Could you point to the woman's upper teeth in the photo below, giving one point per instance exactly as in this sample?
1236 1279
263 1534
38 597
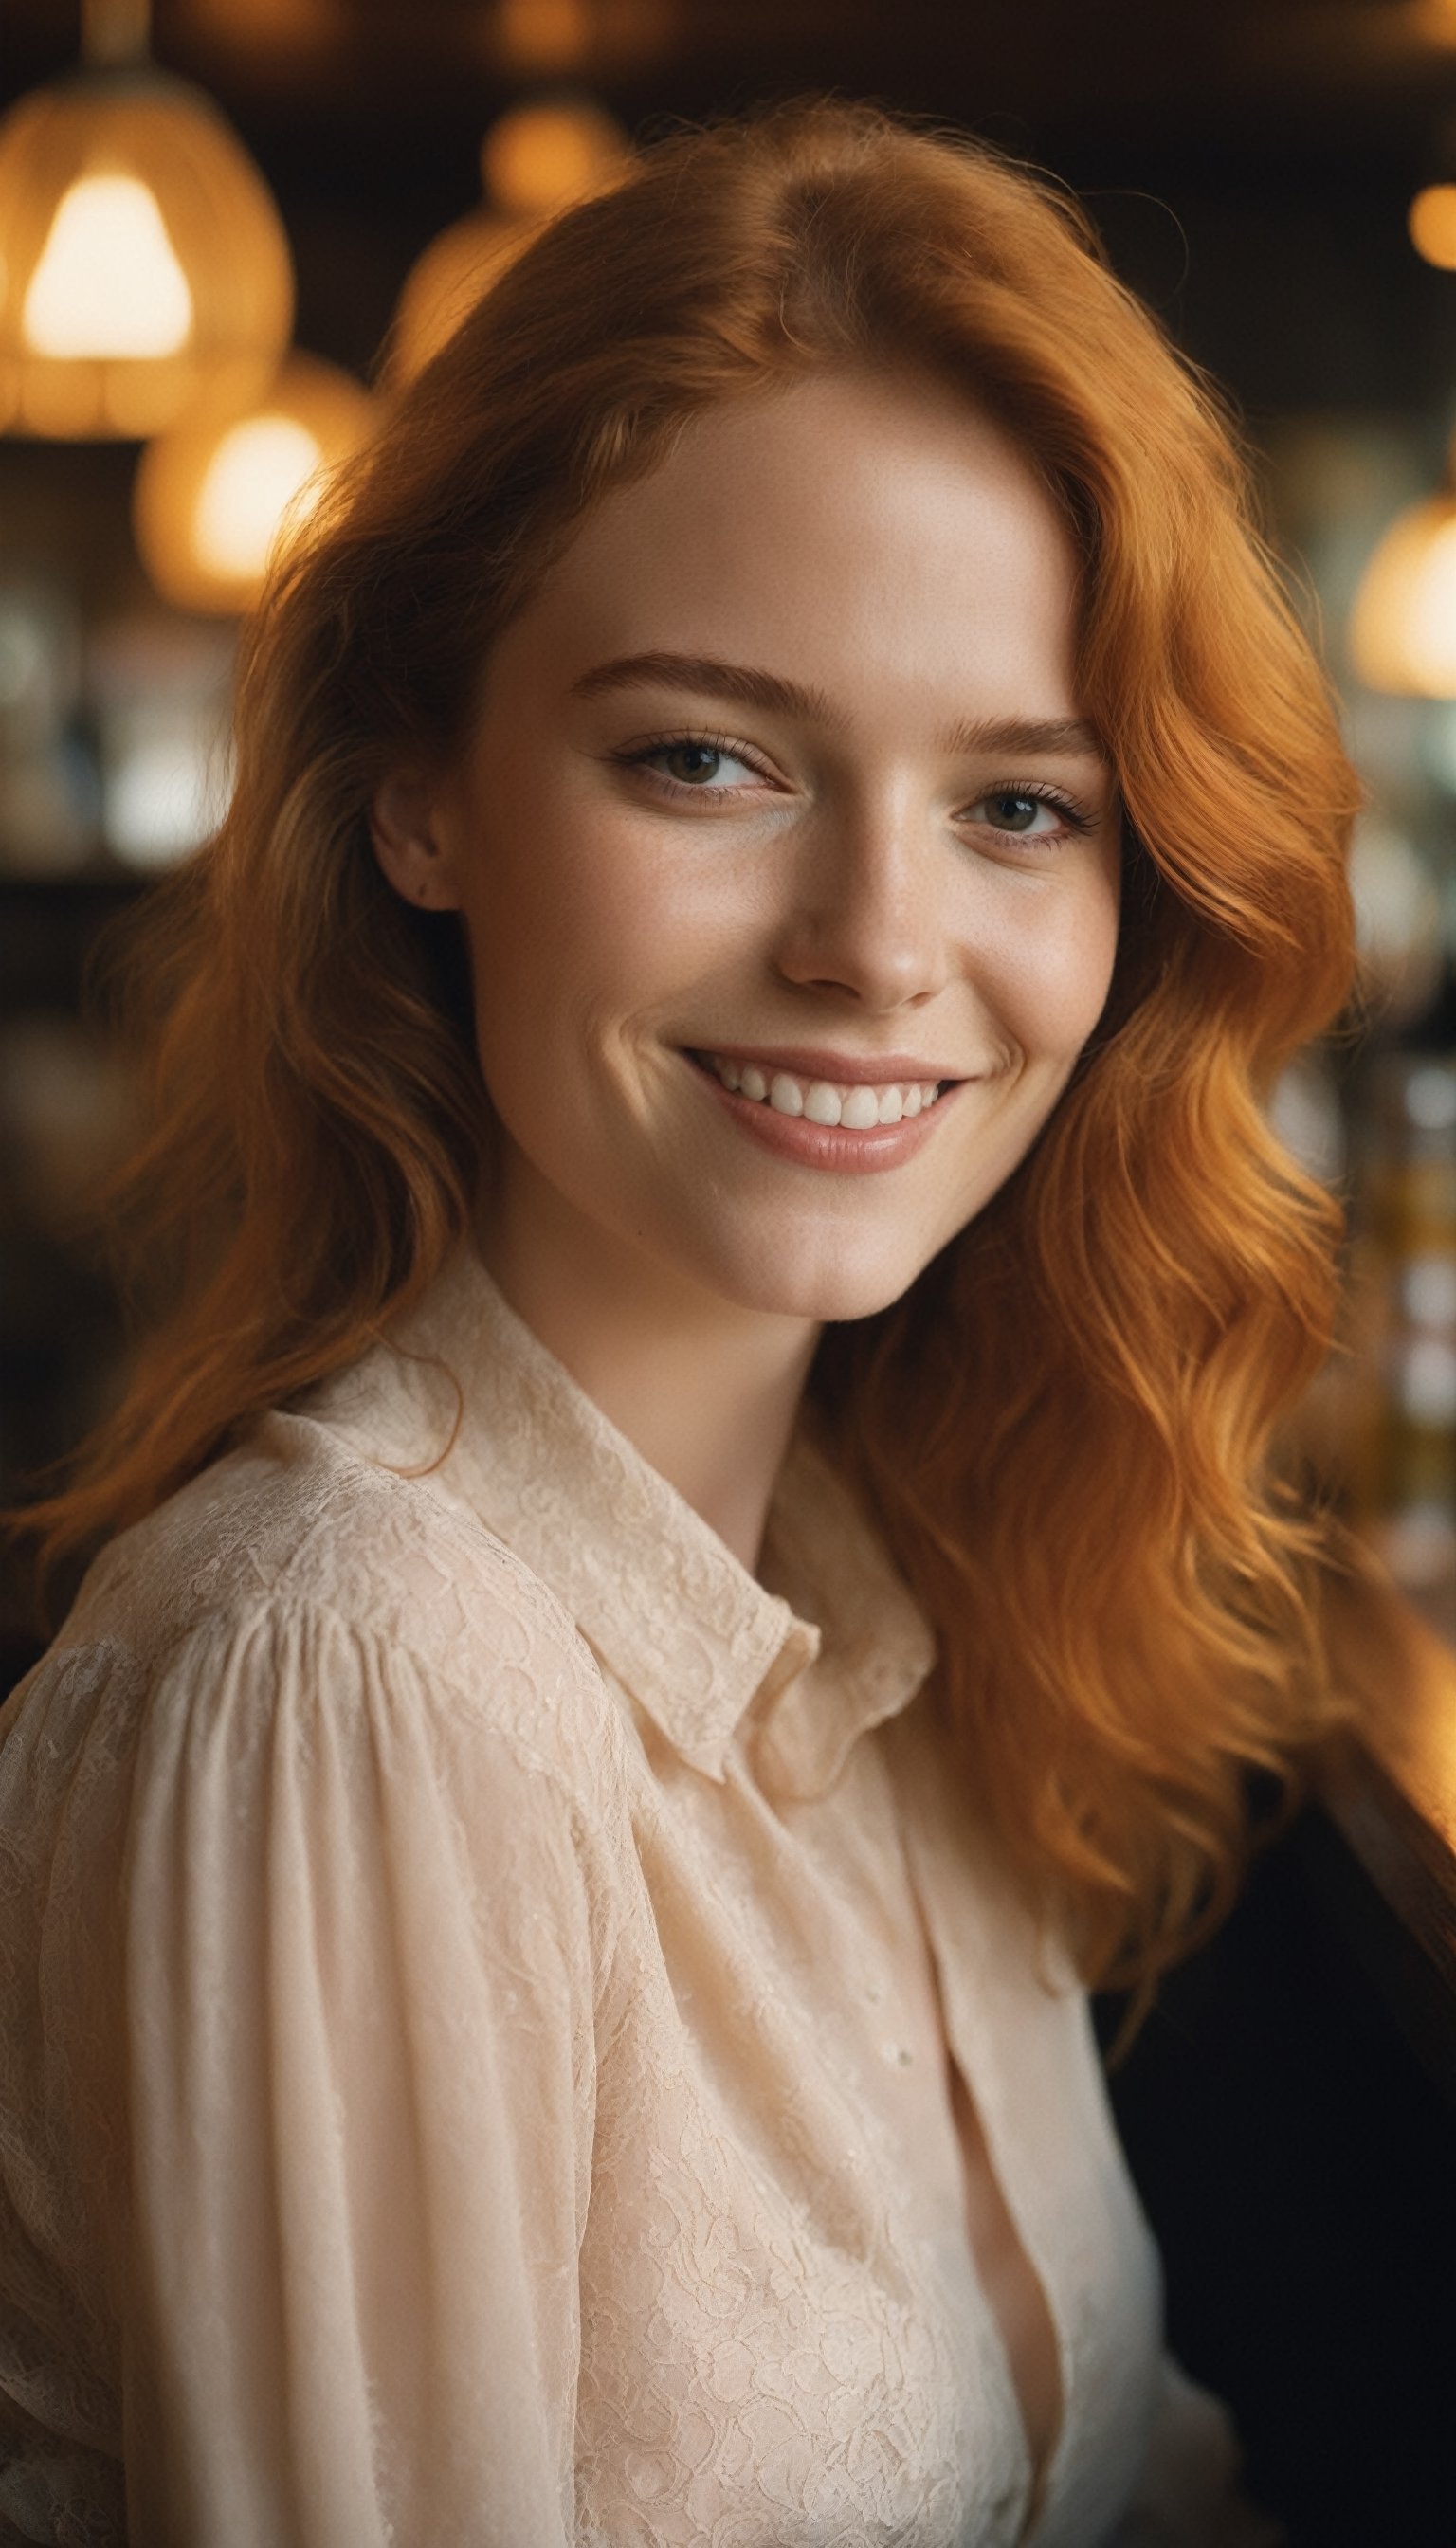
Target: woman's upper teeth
858 1106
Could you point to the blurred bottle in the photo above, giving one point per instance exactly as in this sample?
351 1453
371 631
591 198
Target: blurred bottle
1407 1210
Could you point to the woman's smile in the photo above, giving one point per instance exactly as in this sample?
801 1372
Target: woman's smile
830 1087
845 1125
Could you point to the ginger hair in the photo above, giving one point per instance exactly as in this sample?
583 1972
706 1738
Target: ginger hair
1063 1428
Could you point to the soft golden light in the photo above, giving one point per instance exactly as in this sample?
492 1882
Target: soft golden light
538 158
534 163
536 36
108 285
1403 628
145 265
446 280
1432 20
1432 221
259 469
262 26
216 497
547 38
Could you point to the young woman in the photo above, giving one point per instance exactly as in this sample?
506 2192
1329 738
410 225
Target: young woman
703 1554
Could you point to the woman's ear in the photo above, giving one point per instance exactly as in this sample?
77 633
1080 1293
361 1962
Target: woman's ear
406 829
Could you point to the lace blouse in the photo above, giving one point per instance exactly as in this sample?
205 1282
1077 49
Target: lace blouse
477 1969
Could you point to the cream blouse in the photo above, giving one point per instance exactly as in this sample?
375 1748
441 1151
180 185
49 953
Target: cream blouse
476 1974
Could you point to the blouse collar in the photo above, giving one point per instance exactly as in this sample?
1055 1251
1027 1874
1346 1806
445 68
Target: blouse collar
828 1645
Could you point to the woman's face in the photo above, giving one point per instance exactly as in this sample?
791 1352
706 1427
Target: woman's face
789 868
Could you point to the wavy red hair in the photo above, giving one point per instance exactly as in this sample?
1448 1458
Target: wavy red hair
1065 1426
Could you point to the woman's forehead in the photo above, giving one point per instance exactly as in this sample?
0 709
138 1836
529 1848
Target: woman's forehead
843 531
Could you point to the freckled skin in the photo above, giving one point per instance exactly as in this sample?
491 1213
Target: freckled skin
880 544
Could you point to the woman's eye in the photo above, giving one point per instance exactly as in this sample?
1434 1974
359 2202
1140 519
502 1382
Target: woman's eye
1013 809
695 762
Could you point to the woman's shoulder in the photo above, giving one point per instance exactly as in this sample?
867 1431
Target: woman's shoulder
299 1569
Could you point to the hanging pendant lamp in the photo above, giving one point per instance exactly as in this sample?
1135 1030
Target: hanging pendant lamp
213 497
1402 623
534 160
145 262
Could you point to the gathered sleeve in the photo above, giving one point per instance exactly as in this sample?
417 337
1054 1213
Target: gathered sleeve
363 1934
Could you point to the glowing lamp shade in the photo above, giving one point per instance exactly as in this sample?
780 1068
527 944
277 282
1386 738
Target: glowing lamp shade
1432 221
445 281
534 162
108 285
144 263
1403 628
217 495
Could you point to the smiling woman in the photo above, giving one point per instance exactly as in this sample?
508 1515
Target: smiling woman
898 873
703 1552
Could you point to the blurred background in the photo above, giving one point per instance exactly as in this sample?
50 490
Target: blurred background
226 228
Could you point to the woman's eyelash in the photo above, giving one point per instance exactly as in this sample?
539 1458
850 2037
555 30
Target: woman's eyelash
1036 791
640 756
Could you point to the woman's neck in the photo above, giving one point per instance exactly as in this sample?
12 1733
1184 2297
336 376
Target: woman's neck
705 1391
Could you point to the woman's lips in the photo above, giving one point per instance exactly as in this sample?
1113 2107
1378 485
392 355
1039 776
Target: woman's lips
801 1117
828 1097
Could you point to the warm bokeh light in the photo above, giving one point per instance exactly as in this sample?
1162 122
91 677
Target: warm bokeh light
538 36
536 158
1432 221
1403 628
553 39
444 282
144 266
265 26
259 469
108 283
214 496
1432 22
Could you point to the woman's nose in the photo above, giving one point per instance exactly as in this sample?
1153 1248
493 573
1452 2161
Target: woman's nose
867 916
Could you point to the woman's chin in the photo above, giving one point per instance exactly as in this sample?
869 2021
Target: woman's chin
825 1291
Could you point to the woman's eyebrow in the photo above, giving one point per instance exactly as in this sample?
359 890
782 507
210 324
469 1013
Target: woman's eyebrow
741 682
1061 736
754 687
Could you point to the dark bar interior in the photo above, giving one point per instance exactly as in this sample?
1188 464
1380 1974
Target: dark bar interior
1255 171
